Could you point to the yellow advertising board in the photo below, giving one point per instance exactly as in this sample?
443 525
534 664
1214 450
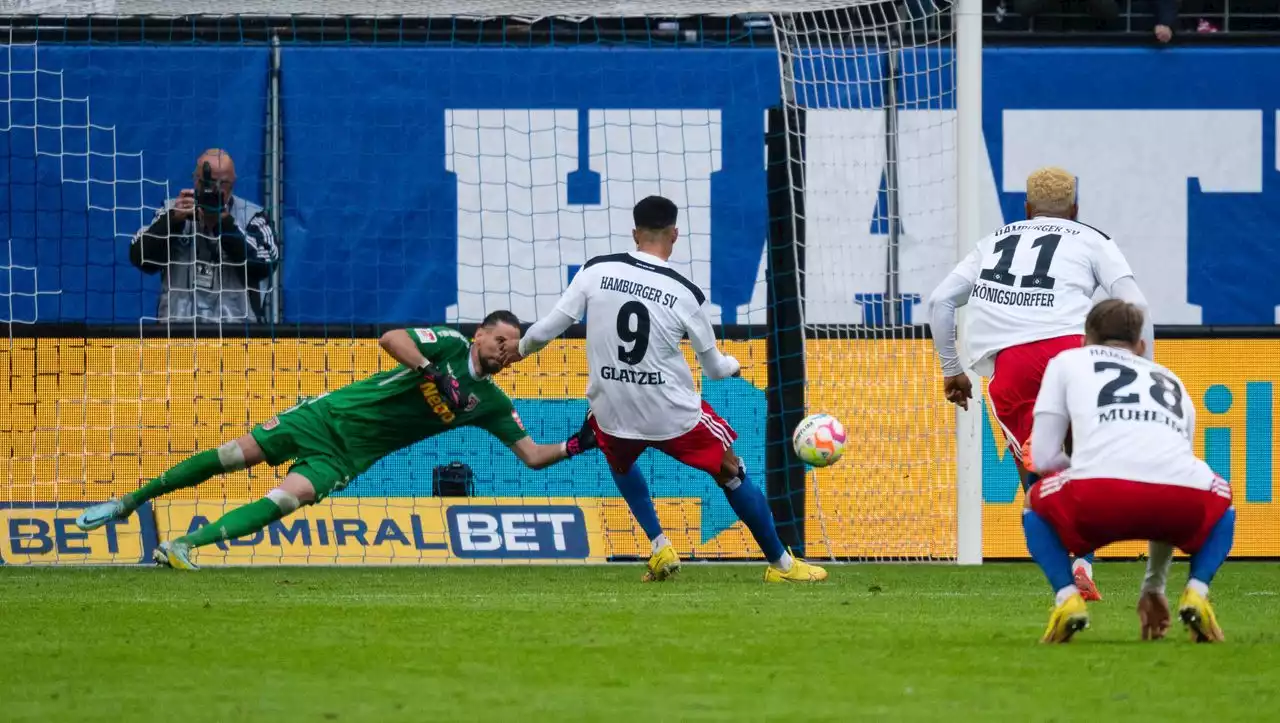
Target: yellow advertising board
892 495
85 419
1231 382
437 531
413 531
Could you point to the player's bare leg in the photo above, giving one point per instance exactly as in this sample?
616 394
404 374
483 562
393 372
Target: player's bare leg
233 456
293 492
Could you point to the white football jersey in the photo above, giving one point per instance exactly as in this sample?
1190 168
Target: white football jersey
1034 280
638 309
1131 419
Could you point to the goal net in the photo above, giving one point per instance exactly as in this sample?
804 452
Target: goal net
873 86
412 170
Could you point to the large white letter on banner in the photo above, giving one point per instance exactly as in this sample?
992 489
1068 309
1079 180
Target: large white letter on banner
1133 168
518 234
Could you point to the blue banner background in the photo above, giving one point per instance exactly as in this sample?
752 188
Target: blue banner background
371 212
167 104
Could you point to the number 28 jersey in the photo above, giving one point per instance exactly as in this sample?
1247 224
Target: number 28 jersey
1035 280
1131 419
638 309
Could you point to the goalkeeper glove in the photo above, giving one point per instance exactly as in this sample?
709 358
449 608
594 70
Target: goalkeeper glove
448 387
583 441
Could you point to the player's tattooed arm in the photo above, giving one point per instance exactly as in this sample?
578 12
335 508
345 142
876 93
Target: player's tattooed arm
539 456
400 345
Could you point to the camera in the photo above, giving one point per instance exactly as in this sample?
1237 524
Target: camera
208 196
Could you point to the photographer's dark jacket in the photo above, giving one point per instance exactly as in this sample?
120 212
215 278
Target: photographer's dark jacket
221 275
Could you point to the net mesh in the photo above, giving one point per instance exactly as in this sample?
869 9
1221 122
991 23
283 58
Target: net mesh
876 83
417 183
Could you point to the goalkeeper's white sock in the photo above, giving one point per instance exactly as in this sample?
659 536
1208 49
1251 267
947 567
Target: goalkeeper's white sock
1065 593
1082 564
660 542
1198 586
783 563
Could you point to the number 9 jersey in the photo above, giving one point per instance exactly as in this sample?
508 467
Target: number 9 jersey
638 309
1035 280
1131 419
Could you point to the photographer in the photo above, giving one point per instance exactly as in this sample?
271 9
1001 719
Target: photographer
216 250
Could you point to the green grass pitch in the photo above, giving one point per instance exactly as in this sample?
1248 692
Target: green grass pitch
876 642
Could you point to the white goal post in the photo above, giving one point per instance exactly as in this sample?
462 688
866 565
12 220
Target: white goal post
971 155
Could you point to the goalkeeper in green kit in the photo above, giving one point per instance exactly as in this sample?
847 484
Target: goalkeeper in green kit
443 382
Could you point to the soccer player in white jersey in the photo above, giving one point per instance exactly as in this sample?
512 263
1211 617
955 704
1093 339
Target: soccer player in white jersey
641 389
1132 475
1028 287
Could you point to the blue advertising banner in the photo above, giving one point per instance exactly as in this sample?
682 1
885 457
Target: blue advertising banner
92 141
433 184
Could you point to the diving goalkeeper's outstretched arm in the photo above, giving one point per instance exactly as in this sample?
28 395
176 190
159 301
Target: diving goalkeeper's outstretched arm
541 456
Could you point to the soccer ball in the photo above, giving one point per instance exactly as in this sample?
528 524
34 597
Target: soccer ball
819 440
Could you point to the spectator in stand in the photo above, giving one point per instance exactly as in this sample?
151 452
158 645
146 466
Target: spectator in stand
1166 18
1167 11
216 251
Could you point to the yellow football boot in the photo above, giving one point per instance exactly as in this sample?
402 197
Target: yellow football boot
1197 615
663 565
1066 620
800 571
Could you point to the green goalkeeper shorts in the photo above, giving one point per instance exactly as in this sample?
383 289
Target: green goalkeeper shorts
303 434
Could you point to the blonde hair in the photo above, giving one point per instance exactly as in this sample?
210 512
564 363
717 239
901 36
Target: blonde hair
1051 190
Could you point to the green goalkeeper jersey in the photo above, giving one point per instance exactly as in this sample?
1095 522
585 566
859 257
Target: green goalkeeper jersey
393 409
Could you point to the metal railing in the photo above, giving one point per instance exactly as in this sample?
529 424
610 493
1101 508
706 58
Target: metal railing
1200 19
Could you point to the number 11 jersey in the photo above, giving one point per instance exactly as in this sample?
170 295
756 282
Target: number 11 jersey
637 310
1035 280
